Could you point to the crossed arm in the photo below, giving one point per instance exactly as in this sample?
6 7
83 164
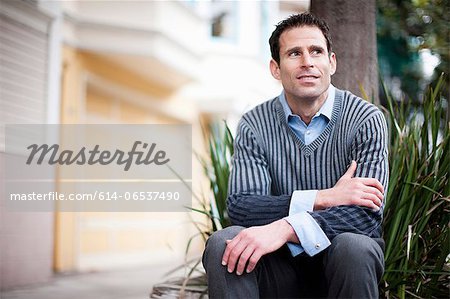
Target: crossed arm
336 210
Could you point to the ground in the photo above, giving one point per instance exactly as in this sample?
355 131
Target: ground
133 283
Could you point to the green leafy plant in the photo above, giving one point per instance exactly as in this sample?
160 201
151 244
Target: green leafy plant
217 169
416 222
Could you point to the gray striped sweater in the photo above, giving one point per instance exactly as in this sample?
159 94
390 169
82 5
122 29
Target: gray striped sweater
270 162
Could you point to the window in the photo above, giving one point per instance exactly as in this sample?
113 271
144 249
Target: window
224 20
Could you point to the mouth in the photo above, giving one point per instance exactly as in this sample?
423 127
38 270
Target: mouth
307 77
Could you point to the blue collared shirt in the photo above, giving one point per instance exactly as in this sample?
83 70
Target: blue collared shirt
308 133
313 240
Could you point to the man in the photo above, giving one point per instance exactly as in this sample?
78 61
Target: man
307 184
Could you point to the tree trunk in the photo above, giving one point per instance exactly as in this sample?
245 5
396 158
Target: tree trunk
353 32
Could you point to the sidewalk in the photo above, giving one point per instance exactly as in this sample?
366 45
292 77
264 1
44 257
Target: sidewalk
120 284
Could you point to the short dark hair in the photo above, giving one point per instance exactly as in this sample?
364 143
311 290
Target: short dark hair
294 21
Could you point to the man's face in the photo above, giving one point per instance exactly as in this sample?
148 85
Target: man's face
305 66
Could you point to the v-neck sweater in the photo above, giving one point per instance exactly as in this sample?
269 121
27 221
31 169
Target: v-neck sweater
270 162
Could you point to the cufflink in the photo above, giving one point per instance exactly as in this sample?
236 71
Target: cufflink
317 246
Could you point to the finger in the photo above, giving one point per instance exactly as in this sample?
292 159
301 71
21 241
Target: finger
367 200
351 170
230 245
243 259
378 185
372 182
369 204
234 255
375 192
375 200
256 256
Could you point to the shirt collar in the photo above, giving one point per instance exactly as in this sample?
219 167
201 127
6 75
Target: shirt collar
326 109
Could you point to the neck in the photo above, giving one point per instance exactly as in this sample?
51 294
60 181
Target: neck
306 108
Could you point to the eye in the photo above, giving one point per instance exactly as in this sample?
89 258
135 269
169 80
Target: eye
316 52
294 54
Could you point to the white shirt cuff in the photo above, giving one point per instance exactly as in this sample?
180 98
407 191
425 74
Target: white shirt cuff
302 200
312 238
295 249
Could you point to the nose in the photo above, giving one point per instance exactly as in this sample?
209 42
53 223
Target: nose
306 60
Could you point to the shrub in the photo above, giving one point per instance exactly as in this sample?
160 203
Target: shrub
416 222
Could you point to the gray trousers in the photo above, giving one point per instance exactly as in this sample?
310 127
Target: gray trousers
350 267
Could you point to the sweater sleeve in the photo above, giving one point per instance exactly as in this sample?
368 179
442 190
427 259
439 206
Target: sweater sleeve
249 200
369 150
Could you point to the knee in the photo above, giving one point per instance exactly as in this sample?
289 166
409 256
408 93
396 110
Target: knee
216 243
218 239
354 265
357 251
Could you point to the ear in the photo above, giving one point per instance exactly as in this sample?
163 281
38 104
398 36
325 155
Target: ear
275 69
333 63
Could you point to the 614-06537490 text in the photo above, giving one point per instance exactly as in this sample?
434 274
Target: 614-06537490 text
106 196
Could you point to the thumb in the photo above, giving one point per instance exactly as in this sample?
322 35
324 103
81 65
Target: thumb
351 170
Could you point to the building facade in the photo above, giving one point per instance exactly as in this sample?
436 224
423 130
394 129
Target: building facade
123 62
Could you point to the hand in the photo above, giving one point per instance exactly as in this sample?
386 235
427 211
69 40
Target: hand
365 192
254 242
